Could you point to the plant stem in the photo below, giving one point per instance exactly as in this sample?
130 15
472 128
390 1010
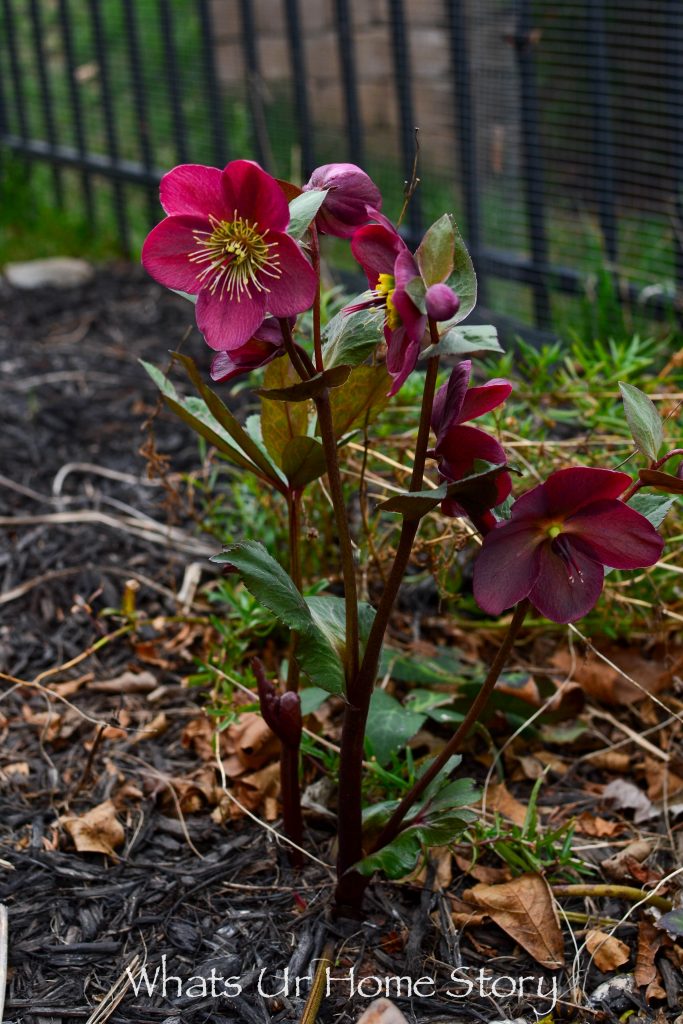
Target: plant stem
300 361
656 464
317 340
289 756
351 885
618 892
393 826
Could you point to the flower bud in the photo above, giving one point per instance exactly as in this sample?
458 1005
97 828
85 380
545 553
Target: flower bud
442 302
351 194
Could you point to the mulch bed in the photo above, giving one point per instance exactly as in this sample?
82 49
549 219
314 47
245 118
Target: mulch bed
202 895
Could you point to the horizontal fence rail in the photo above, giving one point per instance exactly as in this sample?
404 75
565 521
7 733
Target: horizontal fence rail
546 196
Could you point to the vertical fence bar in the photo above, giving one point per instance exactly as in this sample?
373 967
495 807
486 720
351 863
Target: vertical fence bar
603 150
111 136
403 81
212 85
354 126
76 108
458 35
259 128
45 94
301 105
173 80
674 24
533 165
140 100
16 71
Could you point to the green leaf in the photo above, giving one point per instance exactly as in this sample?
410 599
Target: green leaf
463 280
654 507
226 419
395 860
351 338
390 725
303 460
460 341
302 211
363 394
435 254
282 421
311 697
417 292
643 420
474 492
672 922
306 389
414 504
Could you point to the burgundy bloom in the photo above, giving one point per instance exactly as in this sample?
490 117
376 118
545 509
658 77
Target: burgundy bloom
554 547
441 301
458 447
351 196
389 266
224 241
267 344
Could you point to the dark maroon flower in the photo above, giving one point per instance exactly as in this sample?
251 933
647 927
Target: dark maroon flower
351 197
267 344
389 266
560 536
281 712
224 241
458 447
441 301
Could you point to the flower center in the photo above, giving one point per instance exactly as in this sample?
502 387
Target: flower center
385 288
234 255
554 531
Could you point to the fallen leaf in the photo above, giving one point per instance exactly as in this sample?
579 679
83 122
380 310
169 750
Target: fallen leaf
98 831
600 828
156 727
649 941
606 684
465 915
627 796
619 867
610 761
127 682
662 783
498 798
482 872
607 951
524 909
198 736
382 1011
249 744
260 787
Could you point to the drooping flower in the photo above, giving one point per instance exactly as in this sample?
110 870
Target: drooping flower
458 447
266 344
389 266
351 196
224 241
560 536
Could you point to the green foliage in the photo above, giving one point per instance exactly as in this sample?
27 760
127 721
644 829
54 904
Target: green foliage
643 419
390 725
302 211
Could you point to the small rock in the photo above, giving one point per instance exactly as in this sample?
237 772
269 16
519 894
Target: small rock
56 272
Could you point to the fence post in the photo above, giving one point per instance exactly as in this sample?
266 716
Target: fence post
259 128
534 191
596 48
354 125
15 68
75 98
298 63
214 96
674 22
140 102
45 94
403 81
458 34
173 80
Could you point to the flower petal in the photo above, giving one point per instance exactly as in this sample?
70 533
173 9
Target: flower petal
617 535
412 319
166 253
569 582
376 247
225 324
506 568
568 490
194 190
254 195
483 398
402 354
449 399
250 356
294 290
461 446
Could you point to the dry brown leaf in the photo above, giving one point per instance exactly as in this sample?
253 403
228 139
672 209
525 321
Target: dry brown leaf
260 787
649 941
198 736
661 781
619 867
483 872
465 915
599 828
156 727
524 909
98 831
498 798
127 682
607 951
382 1011
607 685
610 761
249 744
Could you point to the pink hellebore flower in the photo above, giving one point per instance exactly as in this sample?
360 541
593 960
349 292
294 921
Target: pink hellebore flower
458 446
266 344
389 266
351 198
554 548
224 241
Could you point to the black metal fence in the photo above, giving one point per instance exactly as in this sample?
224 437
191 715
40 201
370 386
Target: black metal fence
551 129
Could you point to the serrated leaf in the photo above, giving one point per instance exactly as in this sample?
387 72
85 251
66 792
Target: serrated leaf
460 341
307 389
303 460
282 421
363 394
463 280
643 420
654 507
435 254
395 860
475 491
390 725
302 211
351 338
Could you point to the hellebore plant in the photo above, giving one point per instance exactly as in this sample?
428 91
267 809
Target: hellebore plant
252 260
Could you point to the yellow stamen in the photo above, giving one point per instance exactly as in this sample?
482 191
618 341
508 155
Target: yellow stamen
235 255
385 288
554 531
